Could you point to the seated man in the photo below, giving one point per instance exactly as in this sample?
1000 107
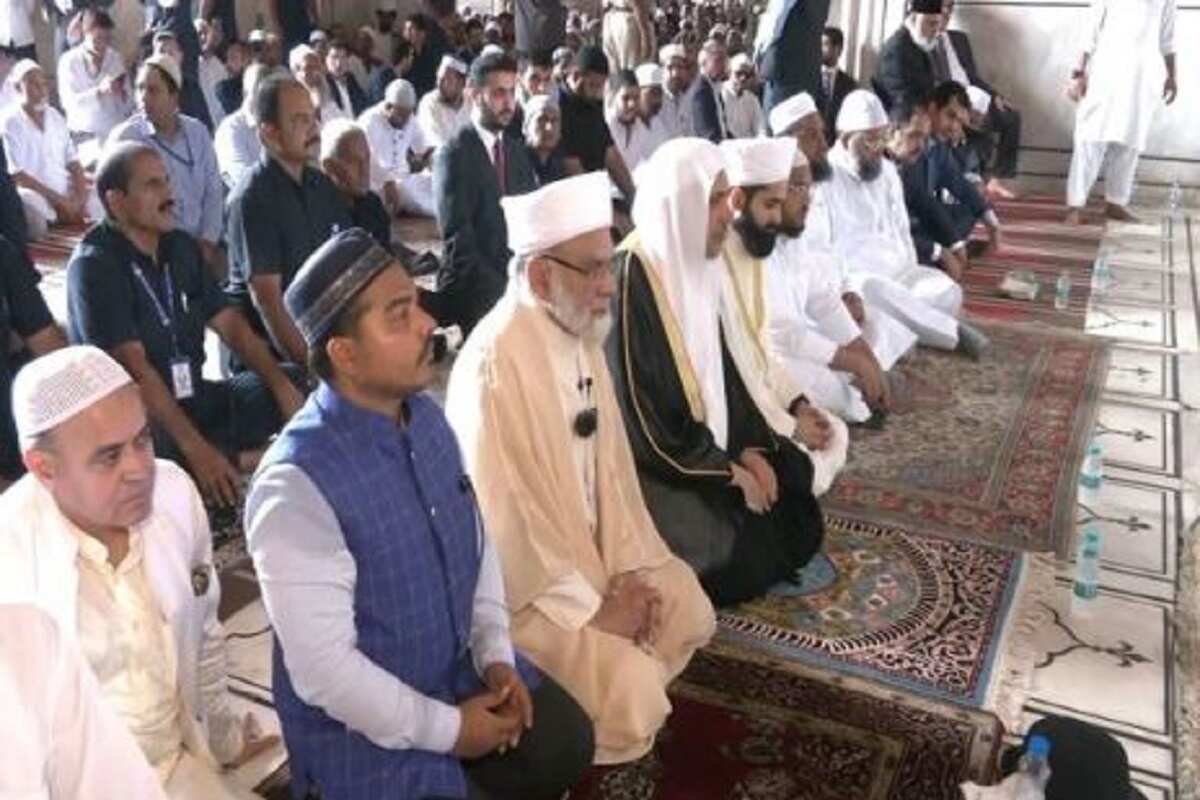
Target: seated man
308 68
399 151
42 157
478 166
444 110
344 89
999 115
598 600
543 137
759 171
231 92
384 591
346 160
825 271
650 103
211 70
632 137
744 115
866 224
708 112
116 547
279 213
187 151
236 142
92 83
905 75
59 739
136 287
730 496
587 143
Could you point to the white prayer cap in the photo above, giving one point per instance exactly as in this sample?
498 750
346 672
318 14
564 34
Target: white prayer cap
169 66
489 49
861 111
558 212
57 386
739 61
298 54
450 62
649 75
257 36
669 51
791 111
980 100
400 93
758 162
21 69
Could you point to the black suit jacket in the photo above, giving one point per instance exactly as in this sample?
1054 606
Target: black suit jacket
905 74
843 85
706 112
229 93
793 61
466 190
966 56
928 219
358 98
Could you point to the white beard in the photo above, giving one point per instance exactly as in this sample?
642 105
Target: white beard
925 44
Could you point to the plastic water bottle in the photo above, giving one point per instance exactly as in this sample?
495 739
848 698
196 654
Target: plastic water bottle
1062 291
1101 276
1175 200
1087 569
1091 476
1034 771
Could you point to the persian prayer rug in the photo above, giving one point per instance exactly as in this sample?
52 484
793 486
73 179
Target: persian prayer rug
746 727
987 450
1035 239
950 620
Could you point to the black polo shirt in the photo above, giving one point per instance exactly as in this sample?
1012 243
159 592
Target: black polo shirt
23 311
585 133
109 306
274 223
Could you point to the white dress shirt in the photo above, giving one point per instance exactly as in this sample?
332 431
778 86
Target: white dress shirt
59 741
212 72
237 146
308 576
42 153
744 117
16 23
634 142
89 111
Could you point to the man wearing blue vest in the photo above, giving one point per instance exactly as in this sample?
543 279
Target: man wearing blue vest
394 673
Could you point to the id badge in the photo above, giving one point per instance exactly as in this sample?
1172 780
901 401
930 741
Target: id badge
181 378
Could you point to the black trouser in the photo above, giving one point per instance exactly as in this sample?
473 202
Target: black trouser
1007 126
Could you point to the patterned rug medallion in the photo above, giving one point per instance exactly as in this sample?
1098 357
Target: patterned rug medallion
990 449
945 619
748 727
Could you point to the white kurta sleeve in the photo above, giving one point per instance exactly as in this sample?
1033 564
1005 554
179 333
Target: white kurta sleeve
308 577
1091 33
570 603
490 641
1166 35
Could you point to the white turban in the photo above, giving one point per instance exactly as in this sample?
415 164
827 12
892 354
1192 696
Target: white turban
649 75
558 212
57 386
400 93
758 162
670 213
21 69
669 51
739 61
297 55
981 101
791 111
491 49
861 111
450 62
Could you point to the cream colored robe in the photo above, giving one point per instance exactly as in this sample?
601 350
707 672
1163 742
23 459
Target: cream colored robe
505 405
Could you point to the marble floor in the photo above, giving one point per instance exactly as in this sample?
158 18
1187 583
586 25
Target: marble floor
1111 661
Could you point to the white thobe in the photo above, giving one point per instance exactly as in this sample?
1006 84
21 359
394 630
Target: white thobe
438 120
45 154
389 160
59 739
16 23
87 110
212 72
866 224
744 115
237 146
634 142
676 114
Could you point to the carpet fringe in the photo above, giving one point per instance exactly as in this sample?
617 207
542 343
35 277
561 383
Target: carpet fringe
1012 673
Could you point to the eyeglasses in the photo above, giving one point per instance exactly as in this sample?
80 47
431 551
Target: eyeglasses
595 274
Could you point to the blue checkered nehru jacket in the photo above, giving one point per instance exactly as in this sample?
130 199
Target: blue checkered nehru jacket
408 516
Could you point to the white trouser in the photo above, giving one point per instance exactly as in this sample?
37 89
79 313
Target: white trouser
833 392
888 338
193 779
1087 161
926 302
40 215
416 194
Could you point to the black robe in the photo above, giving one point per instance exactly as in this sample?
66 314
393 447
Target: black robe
685 476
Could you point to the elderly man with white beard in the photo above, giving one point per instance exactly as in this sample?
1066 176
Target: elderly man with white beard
867 225
598 600
759 172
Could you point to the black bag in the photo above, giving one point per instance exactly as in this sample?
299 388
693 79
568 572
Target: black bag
1085 762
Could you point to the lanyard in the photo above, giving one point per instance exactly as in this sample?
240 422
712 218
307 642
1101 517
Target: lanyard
165 313
188 162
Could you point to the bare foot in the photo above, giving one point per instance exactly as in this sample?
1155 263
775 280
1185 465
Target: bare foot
1074 217
998 191
1118 213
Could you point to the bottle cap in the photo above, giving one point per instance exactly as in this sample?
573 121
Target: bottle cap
1038 746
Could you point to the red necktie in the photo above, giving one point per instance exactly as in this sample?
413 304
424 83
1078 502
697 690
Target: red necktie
501 166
